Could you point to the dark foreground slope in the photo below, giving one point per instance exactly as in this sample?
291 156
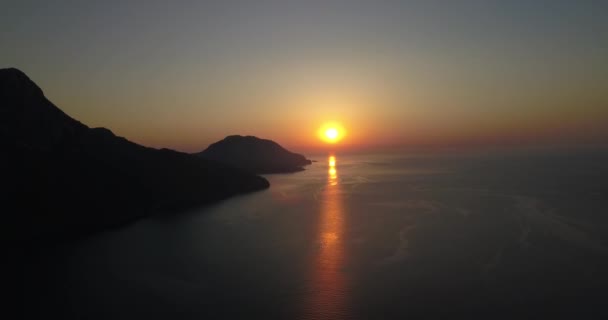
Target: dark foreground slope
60 177
255 155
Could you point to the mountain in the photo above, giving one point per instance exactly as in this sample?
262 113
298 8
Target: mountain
255 155
60 177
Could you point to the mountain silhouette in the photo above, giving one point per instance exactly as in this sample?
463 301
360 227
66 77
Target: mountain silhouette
255 155
61 178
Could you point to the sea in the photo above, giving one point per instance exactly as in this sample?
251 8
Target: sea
477 235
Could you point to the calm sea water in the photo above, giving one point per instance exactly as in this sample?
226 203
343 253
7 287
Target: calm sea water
358 237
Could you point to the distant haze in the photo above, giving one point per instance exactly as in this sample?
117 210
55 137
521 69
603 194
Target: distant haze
394 73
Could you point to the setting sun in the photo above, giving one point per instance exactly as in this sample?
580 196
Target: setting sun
331 132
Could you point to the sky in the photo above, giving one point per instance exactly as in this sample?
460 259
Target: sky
394 74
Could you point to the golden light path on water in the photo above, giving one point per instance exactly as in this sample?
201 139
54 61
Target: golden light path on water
328 286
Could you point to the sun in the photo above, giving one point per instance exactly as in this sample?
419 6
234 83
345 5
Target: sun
331 132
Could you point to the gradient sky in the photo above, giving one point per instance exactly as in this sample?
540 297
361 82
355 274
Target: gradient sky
183 74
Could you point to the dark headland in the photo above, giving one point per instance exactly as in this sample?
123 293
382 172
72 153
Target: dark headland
62 178
255 155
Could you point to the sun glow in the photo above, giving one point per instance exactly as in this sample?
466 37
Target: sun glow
331 132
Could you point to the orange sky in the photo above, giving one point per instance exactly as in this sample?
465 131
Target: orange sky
396 75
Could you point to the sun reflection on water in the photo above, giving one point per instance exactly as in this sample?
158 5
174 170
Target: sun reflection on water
328 283
332 162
